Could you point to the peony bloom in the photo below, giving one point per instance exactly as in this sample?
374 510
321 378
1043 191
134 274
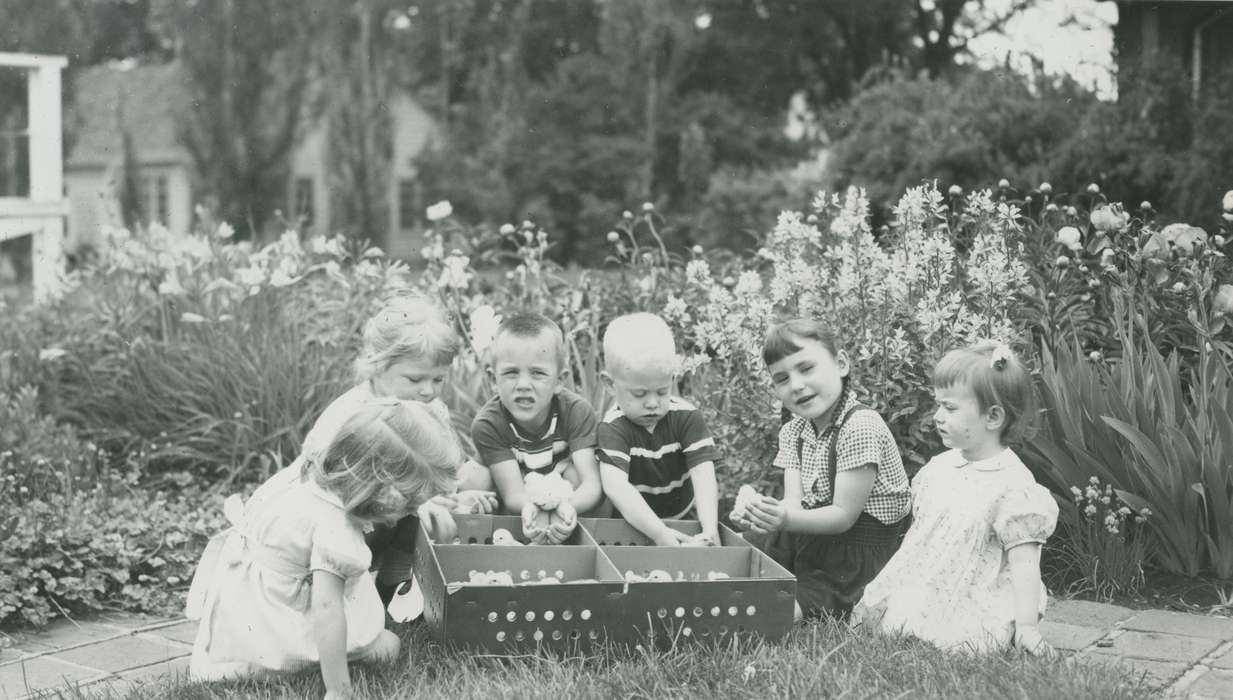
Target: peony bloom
1222 303
1156 247
1109 217
440 210
1070 237
1184 237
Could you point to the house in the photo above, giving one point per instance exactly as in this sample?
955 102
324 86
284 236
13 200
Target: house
116 102
1198 34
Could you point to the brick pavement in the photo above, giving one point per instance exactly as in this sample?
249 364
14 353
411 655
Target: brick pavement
1185 655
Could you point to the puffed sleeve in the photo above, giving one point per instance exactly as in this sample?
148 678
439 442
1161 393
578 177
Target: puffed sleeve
1025 514
788 455
339 548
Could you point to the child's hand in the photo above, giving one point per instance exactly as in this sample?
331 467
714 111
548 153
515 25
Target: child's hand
563 525
481 502
436 515
1030 640
668 537
767 515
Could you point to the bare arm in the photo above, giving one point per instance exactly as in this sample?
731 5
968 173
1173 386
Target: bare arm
589 490
507 478
1024 563
852 489
634 507
706 498
329 626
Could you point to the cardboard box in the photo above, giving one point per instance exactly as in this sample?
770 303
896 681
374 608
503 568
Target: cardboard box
573 615
617 532
478 529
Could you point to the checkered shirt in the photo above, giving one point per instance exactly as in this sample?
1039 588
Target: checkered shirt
864 440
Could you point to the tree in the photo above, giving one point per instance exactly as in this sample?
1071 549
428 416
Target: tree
250 67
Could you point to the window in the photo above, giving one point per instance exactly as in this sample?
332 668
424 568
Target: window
14 135
408 203
155 198
302 202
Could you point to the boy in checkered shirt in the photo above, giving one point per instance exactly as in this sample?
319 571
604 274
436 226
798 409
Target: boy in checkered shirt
846 496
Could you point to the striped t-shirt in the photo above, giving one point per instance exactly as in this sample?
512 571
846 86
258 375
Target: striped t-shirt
658 462
498 438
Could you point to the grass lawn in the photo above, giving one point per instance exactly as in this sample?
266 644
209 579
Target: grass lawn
817 660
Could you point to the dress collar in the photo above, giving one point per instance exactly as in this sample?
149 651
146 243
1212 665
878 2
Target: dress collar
992 464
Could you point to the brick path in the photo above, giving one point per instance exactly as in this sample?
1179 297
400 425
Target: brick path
1186 656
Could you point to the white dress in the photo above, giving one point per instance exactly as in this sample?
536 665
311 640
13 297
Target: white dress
253 585
949 583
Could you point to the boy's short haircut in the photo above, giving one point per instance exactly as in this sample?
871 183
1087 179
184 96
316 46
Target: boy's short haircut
409 326
640 341
530 326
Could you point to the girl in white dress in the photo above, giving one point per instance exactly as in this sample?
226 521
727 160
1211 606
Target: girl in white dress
967 576
288 586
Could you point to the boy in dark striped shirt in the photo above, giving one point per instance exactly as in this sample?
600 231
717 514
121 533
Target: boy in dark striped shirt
655 453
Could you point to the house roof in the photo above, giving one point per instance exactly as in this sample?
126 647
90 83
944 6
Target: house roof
141 100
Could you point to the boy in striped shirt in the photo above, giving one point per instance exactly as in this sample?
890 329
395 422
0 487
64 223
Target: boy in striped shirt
656 456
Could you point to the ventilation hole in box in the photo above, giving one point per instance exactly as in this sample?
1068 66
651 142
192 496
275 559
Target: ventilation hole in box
519 636
472 540
492 616
661 613
715 611
511 616
574 634
567 615
602 543
585 615
680 612
530 616
501 636
733 611
556 634
698 612
539 635
548 615
751 611
488 540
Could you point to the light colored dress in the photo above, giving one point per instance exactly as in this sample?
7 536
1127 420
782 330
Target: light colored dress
253 585
949 583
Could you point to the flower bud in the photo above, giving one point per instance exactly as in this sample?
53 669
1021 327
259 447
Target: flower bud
955 190
1051 207
647 207
697 250
613 236
627 215
1093 283
528 224
1227 202
811 219
1218 240
1003 184
1071 211
1062 261
1145 205
1045 188
1179 287
1095 356
507 229
1093 188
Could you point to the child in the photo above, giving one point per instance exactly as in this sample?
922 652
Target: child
288 586
406 353
968 575
845 493
534 424
656 455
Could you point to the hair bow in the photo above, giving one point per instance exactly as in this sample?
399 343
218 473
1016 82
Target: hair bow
1001 355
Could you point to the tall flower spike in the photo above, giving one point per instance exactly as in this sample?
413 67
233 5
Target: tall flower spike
1001 355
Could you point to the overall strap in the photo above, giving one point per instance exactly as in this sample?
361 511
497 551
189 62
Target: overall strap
832 458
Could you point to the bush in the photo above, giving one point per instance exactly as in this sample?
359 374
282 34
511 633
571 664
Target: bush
67 554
